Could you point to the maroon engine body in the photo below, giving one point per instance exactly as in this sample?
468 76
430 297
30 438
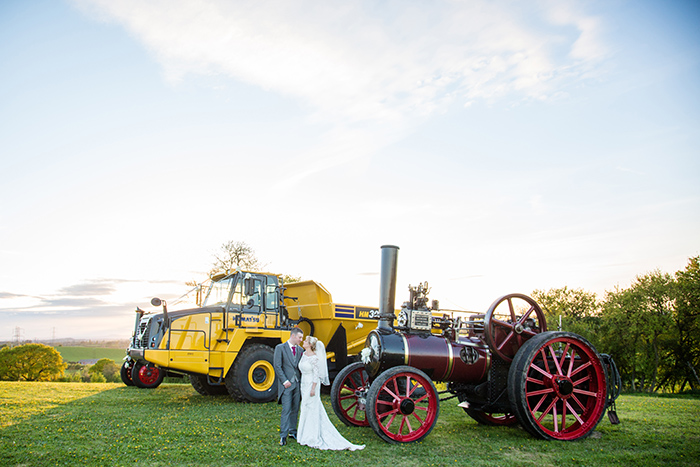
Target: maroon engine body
442 359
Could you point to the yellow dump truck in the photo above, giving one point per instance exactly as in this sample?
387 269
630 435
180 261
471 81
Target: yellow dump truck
226 346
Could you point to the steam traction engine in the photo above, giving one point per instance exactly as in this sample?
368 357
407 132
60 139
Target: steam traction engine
503 366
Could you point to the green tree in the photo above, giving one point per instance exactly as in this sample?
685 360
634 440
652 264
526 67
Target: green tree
6 359
637 328
97 378
107 368
31 362
686 318
656 295
579 311
619 334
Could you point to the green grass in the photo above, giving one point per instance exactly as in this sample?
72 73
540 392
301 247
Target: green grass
75 354
46 424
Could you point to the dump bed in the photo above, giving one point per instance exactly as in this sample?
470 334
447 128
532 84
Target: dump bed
314 303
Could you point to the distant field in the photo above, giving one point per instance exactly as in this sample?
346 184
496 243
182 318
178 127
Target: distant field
75 354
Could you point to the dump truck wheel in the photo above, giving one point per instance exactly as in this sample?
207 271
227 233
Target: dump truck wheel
349 394
200 383
125 372
146 376
252 376
557 386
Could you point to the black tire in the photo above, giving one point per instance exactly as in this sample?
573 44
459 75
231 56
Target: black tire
125 372
252 376
201 384
146 375
392 396
302 326
352 385
558 398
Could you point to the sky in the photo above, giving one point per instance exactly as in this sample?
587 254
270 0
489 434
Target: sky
504 146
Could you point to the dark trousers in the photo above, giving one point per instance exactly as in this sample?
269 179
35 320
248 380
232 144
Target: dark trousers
290 410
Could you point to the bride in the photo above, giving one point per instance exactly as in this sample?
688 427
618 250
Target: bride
315 428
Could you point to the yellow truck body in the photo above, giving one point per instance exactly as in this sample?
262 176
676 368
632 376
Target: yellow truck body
227 345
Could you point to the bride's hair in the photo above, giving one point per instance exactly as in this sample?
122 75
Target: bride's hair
312 342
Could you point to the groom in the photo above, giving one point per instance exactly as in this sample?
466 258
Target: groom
286 361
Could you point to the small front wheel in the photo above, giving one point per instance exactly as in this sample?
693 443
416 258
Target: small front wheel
146 375
125 372
402 405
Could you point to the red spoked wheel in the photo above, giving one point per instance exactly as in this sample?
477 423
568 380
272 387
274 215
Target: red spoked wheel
510 322
402 405
492 419
349 394
557 386
146 376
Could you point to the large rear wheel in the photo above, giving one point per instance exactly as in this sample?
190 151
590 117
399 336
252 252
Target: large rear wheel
557 386
252 376
402 405
349 395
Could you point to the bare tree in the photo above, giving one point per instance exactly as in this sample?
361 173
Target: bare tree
235 254
289 278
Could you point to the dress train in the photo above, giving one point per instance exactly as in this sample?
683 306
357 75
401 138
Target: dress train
315 428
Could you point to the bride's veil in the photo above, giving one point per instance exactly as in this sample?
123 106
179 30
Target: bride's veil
322 363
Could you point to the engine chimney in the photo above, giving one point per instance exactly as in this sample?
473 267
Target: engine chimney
387 288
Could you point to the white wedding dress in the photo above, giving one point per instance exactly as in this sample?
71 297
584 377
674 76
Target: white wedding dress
315 428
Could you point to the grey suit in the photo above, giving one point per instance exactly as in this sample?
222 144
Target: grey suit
287 369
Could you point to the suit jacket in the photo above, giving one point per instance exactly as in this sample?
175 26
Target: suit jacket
287 366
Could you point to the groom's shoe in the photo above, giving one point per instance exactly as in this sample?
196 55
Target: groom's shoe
293 436
283 441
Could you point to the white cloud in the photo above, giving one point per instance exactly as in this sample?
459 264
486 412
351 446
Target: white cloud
366 61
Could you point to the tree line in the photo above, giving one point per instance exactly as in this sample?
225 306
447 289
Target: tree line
651 328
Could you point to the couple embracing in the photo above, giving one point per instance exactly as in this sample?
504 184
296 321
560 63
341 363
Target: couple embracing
300 373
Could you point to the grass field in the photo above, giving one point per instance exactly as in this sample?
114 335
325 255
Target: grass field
75 354
46 424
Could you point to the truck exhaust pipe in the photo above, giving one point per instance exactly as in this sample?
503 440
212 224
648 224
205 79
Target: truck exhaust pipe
387 288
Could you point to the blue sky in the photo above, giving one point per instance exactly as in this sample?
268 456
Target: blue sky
504 146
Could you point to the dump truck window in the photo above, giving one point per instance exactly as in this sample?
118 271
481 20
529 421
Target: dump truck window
257 292
271 297
218 293
237 298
